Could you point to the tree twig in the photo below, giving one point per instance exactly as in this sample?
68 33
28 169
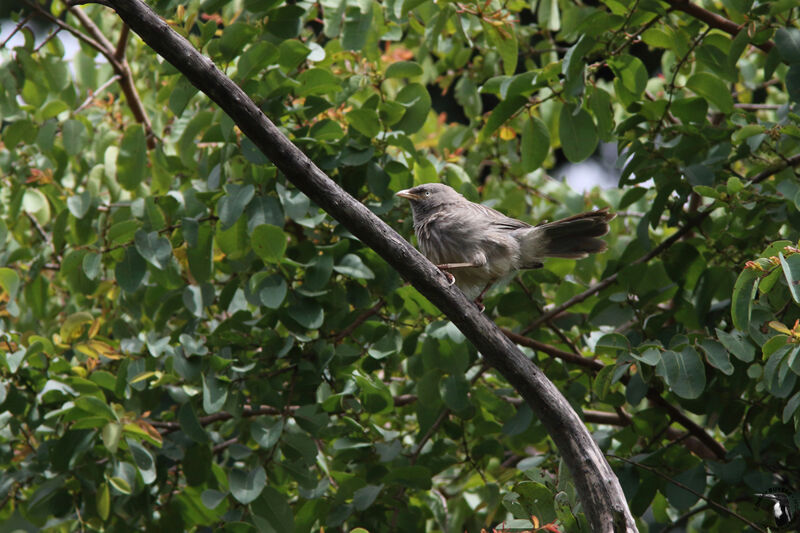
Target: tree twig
713 20
711 447
703 497
360 319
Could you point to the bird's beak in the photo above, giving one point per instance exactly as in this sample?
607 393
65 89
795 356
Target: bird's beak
406 193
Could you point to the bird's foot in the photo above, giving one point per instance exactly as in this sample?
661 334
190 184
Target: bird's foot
451 279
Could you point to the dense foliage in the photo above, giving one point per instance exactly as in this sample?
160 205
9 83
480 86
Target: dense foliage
188 342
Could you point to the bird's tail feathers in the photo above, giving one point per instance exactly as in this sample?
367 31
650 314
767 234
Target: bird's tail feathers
574 237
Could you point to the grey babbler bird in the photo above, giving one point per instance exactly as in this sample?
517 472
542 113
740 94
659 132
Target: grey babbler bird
475 245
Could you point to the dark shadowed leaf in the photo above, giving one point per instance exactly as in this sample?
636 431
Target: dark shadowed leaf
683 371
246 485
577 133
535 144
132 159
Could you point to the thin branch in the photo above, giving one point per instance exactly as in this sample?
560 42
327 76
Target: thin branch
21 24
75 32
610 280
94 93
122 42
121 67
703 497
792 161
47 39
713 20
360 319
712 447
757 107
97 40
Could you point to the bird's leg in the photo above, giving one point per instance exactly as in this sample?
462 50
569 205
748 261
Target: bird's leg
479 299
451 279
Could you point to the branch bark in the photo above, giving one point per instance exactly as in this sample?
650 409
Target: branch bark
713 20
710 447
599 490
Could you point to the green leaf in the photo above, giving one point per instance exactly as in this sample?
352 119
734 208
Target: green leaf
505 43
269 242
683 371
600 105
132 160
415 98
736 343
79 204
793 83
717 356
266 432
74 133
455 392
130 272
364 497
520 422
317 81
375 396
120 484
103 501
630 77
199 254
190 425
787 40
744 291
95 406
415 477
9 281
404 69
307 312
91 265
713 89
790 408
271 291
215 393
612 344
548 15
356 27
246 486
577 133
365 121
747 131
695 479
500 115
231 206
352 265
387 345
535 144
153 248
272 513
537 500
144 461
791 271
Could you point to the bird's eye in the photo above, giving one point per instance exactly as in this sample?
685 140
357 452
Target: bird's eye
427 193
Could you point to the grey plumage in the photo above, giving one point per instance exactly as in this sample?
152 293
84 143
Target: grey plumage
479 245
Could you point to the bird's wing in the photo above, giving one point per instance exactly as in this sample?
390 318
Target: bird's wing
496 219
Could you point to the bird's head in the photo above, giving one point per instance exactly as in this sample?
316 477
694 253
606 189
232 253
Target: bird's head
429 197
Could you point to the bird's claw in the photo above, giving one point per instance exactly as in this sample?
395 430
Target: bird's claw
451 279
